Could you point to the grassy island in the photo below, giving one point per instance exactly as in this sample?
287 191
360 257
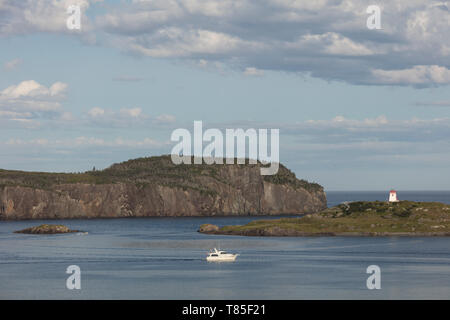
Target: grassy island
362 218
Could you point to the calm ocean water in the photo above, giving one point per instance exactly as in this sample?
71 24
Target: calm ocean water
164 258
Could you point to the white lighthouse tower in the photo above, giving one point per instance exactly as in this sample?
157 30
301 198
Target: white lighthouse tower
393 196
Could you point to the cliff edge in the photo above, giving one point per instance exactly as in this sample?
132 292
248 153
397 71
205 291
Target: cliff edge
155 186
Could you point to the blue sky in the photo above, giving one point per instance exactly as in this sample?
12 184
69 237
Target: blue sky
357 109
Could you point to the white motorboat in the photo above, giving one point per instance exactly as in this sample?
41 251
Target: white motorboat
219 255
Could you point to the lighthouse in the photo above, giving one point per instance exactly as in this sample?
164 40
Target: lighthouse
393 196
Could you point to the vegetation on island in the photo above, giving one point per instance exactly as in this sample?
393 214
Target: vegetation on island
375 218
158 170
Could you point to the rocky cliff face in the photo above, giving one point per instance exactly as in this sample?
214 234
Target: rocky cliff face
155 187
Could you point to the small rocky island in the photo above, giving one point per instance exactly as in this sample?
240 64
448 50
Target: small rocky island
362 218
47 229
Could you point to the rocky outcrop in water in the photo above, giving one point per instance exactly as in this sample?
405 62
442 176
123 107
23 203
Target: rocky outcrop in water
156 187
208 228
47 229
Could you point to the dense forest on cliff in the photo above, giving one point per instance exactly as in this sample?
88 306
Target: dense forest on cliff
143 171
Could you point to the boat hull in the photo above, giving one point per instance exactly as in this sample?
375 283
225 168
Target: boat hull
221 259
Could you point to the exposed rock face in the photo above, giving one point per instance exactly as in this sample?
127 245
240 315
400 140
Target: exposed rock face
223 190
47 229
208 228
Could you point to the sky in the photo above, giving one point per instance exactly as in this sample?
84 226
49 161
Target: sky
357 108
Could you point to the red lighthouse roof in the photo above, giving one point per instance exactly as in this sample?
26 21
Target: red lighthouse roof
393 191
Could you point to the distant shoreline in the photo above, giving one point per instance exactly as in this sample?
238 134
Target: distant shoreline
331 234
159 217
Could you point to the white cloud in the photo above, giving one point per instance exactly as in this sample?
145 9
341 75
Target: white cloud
302 5
32 89
31 16
250 71
214 8
342 122
95 112
341 130
30 99
57 88
133 112
124 117
177 42
328 39
25 88
331 43
417 75
165 119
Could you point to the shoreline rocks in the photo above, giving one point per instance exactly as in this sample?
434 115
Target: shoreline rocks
208 228
47 229
279 232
